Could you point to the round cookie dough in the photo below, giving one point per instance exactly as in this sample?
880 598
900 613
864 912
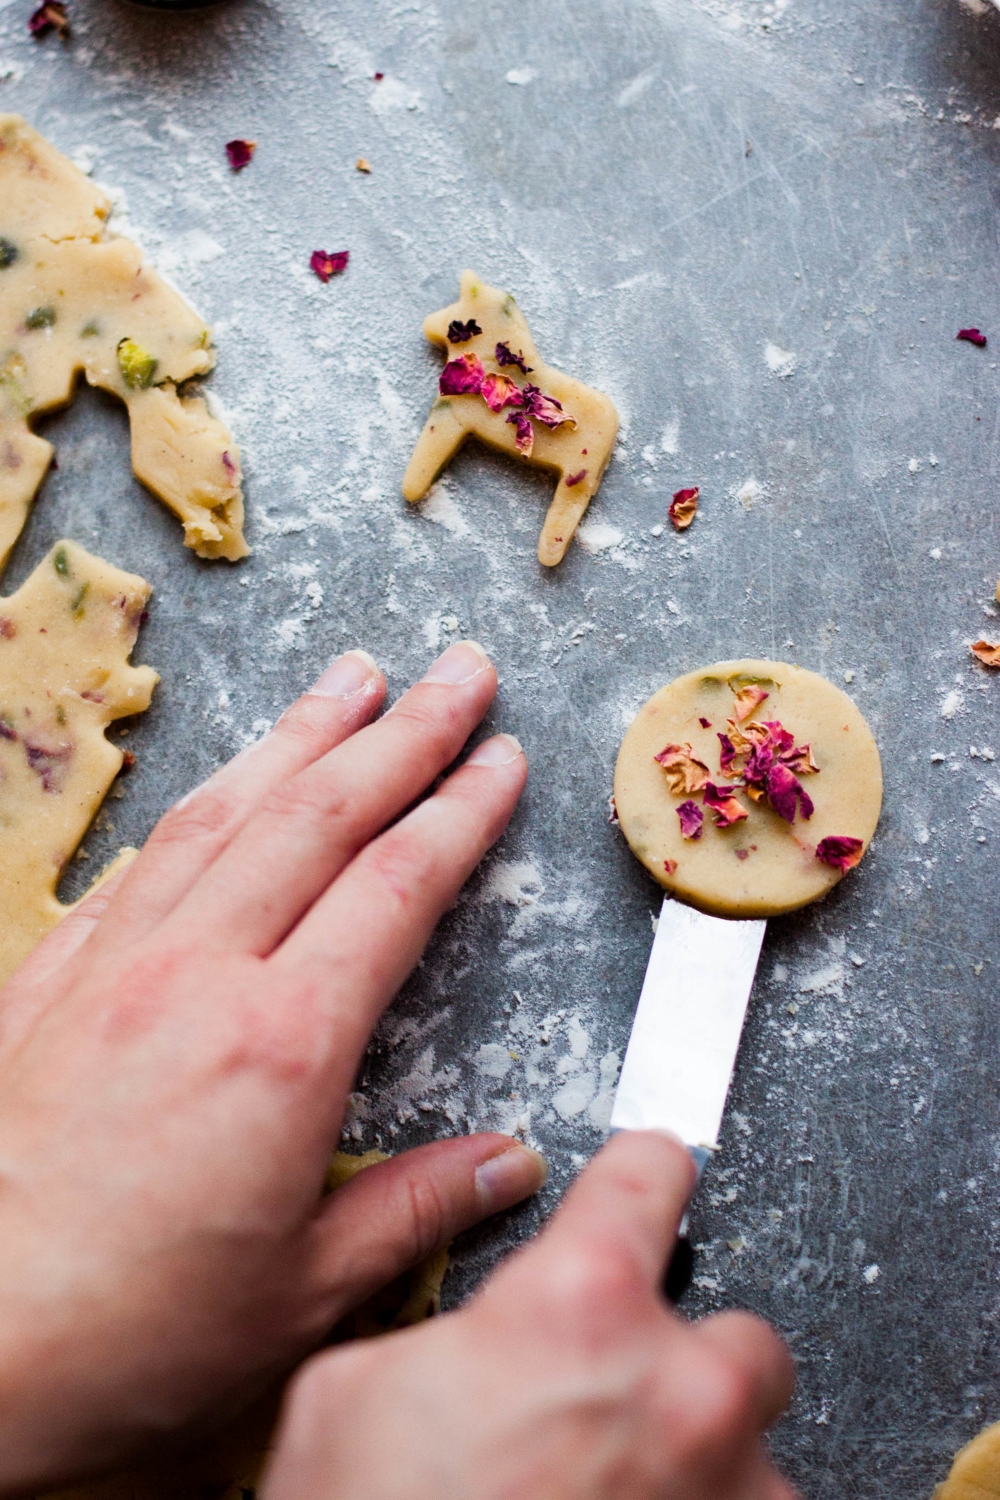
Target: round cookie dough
761 866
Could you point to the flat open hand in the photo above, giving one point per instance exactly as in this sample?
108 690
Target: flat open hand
174 1064
567 1378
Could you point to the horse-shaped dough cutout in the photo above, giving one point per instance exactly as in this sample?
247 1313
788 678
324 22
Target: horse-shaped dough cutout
74 299
548 419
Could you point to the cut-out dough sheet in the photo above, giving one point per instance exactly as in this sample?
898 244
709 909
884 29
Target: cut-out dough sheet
74 300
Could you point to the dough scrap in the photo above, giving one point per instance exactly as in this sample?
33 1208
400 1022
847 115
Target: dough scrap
578 453
65 639
72 299
975 1470
761 865
229 1467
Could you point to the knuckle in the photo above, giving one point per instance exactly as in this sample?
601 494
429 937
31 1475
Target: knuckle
309 724
401 866
591 1288
717 1410
208 814
430 715
306 798
426 1218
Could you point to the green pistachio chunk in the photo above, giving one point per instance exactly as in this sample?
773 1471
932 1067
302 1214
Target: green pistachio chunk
136 364
89 330
40 317
8 253
61 562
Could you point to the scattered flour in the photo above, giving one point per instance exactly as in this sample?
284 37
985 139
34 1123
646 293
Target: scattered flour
521 77
516 882
748 493
597 536
780 362
951 704
441 507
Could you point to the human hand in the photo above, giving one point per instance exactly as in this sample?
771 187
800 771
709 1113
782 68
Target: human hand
567 1378
174 1064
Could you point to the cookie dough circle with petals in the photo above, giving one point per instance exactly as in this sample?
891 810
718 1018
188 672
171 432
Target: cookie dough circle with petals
816 759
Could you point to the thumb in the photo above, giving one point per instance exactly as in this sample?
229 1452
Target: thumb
394 1215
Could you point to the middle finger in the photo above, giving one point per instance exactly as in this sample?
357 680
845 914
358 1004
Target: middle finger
310 827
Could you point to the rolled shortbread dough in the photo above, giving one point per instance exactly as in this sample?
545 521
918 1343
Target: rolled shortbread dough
763 864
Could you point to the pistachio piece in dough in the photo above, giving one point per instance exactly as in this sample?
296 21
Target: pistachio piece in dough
65 640
75 299
740 834
496 387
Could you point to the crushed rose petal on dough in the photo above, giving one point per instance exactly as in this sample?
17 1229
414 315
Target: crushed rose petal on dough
545 409
720 800
499 391
461 333
670 865
683 508
785 791
525 434
840 851
462 376
684 772
746 700
327 263
692 820
506 356
574 479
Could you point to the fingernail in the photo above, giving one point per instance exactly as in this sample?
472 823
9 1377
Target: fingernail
501 750
346 676
460 663
509 1177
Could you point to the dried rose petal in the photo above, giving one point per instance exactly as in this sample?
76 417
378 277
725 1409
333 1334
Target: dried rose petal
840 851
462 376
378 77
574 479
746 700
727 753
692 820
799 759
612 810
50 16
742 853
525 436
7 730
972 336
8 630
327 263
51 763
461 333
499 391
682 508
505 356
741 743
240 153
784 791
670 865
545 409
684 772
987 654
705 723
720 800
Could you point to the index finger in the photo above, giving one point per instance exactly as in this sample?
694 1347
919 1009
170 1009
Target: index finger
627 1205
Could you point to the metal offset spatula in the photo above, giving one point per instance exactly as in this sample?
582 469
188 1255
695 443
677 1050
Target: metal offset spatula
685 1038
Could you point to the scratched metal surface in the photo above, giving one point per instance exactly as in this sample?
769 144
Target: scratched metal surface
668 188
